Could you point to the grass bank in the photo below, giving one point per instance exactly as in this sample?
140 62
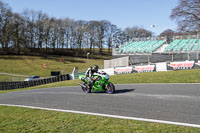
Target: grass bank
33 120
32 65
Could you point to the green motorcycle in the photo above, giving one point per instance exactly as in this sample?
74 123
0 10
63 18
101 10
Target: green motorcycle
101 83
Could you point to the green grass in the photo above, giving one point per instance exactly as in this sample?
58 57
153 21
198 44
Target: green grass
32 65
33 120
6 78
181 76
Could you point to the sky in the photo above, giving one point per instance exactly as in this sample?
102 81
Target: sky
123 13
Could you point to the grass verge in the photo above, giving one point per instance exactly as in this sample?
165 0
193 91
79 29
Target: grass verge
180 76
32 65
7 78
33 120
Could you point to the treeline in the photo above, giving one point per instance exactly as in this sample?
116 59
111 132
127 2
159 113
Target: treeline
36 31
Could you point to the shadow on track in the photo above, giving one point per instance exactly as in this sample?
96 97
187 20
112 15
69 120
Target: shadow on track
118 91
123 91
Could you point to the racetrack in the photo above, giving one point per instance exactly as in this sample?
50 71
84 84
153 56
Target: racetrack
168 102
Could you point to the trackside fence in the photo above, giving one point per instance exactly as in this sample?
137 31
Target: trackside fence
26 84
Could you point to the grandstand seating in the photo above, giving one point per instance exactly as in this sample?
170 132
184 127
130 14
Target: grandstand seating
141 47
183 45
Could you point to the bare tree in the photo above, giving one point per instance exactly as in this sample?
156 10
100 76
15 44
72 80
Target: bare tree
91 29
47 29
29 17
68 24
5 28
119 38
40 28
187 15
168 34
61 33
18 32
80 29
35 30
136 32
101 31
112 35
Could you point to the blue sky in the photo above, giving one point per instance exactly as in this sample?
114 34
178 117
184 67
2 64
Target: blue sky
123 13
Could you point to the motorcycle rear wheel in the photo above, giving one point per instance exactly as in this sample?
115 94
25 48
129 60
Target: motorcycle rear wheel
86 89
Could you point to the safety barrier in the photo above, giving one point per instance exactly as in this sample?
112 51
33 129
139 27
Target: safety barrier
164 66
26 84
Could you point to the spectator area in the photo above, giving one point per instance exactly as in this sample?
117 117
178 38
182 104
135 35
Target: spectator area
184 45
141 47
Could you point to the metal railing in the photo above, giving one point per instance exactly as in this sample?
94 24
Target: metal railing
26 84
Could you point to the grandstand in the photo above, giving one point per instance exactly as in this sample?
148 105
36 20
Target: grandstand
145 47
140 47
181 48
184 45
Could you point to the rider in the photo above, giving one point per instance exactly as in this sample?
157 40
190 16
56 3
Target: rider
90 72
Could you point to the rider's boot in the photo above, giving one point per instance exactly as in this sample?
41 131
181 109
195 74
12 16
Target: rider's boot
89 84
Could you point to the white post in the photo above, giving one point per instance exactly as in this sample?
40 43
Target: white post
148 60
88 59
152 26
198 49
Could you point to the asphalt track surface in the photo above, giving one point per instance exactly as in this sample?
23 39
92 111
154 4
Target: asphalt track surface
168 102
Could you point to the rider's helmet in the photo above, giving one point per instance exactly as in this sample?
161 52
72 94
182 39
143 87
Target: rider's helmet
95 68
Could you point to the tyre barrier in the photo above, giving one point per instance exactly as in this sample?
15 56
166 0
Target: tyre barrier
26 84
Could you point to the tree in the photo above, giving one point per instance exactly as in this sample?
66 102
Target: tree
120 38
35 30
68 24
168 34
61 33
101 31
5 28
29 17
80 29
92 29
112 35
40 28
47 29
53 33
136 32
18 31
187 15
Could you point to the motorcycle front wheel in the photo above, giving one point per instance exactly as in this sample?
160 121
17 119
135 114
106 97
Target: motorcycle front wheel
110 88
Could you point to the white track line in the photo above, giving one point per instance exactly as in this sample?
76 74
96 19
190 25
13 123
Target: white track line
161 84
107 115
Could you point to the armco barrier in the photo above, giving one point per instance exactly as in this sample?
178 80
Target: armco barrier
26 84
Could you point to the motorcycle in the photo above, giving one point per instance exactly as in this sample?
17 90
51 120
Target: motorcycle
101 83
